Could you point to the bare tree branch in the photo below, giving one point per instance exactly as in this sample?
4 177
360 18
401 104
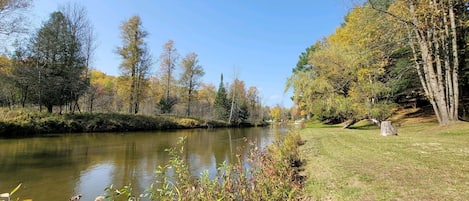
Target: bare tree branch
11 18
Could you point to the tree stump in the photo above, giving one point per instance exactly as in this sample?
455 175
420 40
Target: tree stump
388 129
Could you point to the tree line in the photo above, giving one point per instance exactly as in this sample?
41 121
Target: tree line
388 52
51 69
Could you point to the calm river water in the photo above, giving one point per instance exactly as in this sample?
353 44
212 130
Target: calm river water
59 166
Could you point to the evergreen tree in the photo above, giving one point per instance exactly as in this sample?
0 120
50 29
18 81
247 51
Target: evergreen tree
60 63
221 104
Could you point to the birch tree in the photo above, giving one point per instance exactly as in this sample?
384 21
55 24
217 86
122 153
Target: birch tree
433 29
237 96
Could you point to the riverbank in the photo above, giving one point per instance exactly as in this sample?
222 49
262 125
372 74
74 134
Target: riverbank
424 162
18 123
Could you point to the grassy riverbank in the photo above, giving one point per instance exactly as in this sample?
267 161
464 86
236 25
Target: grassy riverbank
424 162
19 123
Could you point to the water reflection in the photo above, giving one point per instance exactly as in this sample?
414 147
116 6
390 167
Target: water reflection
56 168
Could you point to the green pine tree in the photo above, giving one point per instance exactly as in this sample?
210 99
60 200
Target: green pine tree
221 104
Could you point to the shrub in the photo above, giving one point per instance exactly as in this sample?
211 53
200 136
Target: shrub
272 175
190 123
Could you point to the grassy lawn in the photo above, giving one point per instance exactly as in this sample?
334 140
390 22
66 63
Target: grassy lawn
425 162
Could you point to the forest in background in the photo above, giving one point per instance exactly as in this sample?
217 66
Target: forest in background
388 53
49 70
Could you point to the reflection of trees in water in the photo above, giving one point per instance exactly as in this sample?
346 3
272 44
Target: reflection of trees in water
142 155
126 168
51 160
208 149
59 163
198 150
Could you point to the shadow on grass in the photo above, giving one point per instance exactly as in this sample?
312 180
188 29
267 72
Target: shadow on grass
426 111
365 127
323 126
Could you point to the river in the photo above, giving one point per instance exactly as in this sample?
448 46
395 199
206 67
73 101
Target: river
55 167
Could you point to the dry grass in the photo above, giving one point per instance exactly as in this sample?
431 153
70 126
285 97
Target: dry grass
413 116
425 162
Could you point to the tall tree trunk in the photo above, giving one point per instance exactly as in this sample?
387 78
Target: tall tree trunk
132 90
189 102
441 86
232 104
91 99
168 83
24 96
455 73
137 93
49 108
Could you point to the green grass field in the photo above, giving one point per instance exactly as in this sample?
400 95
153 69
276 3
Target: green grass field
424 162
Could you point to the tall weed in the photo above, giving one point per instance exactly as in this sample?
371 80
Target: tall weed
270 174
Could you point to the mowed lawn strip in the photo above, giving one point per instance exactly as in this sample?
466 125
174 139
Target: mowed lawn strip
424 162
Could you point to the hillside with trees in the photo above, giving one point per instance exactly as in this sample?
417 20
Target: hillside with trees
388 54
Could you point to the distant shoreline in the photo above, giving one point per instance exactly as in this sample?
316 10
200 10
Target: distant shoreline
35 123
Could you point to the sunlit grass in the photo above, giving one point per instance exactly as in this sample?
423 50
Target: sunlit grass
424 162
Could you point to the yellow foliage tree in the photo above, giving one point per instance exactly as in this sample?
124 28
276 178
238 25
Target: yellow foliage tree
344 80
276 113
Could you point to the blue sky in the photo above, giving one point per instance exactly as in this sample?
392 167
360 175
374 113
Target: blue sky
259 40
